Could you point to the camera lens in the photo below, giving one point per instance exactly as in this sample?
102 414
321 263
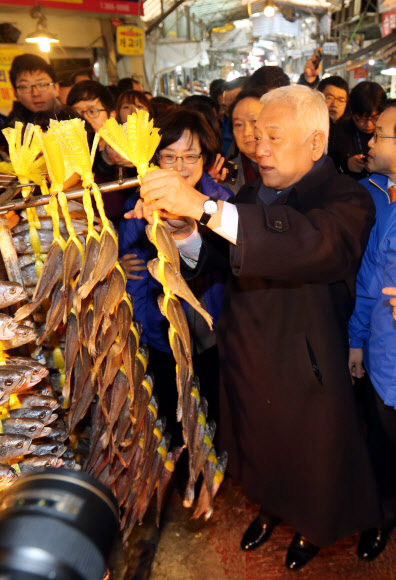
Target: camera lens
56 524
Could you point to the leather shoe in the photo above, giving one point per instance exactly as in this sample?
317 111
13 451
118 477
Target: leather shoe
258 532
300 552
372 542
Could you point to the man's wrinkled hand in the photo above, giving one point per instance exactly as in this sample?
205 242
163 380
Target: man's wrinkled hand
164 189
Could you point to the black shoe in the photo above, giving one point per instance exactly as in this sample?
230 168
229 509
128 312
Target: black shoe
258 532
300 552
372 542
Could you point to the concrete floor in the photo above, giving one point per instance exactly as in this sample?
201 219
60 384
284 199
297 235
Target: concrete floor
185 549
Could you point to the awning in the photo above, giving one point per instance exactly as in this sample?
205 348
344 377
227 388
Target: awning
163 55
383 49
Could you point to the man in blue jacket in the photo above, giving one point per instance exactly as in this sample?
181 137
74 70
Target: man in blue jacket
372 329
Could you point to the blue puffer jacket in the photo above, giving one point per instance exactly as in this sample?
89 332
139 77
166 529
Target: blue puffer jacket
372 325
378 187
133 240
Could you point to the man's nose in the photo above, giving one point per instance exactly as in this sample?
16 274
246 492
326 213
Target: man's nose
262 149
35 89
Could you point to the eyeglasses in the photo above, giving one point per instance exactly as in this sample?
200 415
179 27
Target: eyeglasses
366 118
40 87
190 159
340 100
91 113
377 135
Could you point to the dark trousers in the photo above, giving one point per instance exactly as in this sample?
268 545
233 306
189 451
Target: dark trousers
381 437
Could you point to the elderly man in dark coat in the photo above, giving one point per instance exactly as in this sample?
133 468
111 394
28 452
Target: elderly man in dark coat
288 418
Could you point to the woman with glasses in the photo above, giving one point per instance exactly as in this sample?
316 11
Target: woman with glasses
366 102
188 146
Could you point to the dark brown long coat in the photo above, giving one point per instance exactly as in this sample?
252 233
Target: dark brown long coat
288 416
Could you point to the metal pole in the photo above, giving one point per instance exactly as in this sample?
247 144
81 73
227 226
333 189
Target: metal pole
71 194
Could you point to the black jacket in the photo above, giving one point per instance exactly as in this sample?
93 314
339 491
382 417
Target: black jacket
288 416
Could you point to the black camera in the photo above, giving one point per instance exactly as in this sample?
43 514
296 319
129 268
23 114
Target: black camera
232 171
56 523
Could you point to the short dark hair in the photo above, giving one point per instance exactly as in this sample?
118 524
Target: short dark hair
90 90
126 84
29 63
367 97
161 105
207 107
237 83
216 88
266 78
175 122
132 97
245 94
334 81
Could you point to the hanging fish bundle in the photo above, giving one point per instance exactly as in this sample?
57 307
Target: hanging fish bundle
137 141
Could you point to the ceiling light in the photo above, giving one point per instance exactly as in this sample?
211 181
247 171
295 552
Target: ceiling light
269 9
371 61
41 35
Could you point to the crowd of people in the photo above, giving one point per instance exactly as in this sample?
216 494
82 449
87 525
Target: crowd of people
280 200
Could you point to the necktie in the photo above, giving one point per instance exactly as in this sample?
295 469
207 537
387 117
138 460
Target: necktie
392 193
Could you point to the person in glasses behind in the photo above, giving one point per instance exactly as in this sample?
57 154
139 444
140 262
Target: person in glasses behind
94 103
366 102
35 88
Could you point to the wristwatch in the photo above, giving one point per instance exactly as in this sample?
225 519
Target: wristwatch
210 208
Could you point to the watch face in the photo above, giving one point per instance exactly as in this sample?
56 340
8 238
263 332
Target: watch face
210 206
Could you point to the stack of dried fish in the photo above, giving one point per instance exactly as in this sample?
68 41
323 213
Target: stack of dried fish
27 437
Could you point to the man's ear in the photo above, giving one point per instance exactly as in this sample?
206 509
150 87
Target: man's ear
56 87
318 145
113 114
15 94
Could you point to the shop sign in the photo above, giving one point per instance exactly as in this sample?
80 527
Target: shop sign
130 40
7 55
361 72
122 7
330 48
388 22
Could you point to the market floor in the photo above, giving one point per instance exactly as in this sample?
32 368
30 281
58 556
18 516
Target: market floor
185 549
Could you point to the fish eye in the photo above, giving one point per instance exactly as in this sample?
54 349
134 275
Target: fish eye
8 382
19 445
42 415
48 464
32 429
12 290
55 449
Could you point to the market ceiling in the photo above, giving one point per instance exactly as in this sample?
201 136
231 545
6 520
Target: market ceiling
216 13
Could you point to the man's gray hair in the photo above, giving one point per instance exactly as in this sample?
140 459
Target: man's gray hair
310 106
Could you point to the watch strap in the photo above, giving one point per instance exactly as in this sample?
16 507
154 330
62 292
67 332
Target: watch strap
205 217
